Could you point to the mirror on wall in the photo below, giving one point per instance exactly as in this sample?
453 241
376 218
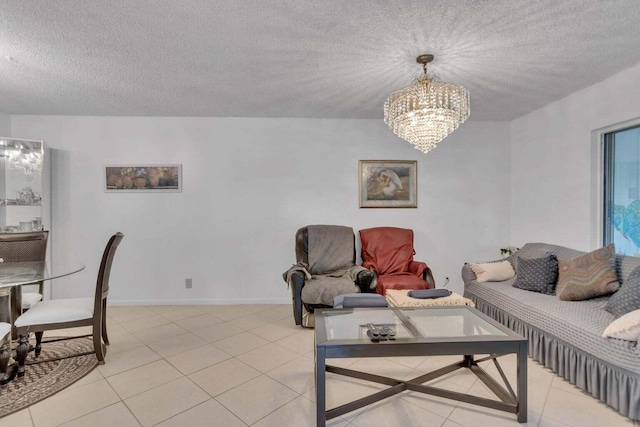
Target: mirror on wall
21 185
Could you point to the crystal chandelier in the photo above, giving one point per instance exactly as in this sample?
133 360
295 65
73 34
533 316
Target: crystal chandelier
426 112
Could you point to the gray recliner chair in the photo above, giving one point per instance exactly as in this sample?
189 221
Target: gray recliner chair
326 267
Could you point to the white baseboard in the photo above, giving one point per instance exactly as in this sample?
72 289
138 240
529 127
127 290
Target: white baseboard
229 301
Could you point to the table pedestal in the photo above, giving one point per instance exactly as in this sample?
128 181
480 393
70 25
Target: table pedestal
5 348
15 309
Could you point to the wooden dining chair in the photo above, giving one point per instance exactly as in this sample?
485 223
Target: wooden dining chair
70 313
5 351
18 247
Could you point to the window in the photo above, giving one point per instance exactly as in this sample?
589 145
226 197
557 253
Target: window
622 190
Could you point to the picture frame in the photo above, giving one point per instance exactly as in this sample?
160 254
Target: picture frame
388 183
142 178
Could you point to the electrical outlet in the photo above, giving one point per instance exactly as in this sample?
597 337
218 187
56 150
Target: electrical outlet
188 283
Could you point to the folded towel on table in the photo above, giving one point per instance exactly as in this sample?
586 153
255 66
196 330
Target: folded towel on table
359 300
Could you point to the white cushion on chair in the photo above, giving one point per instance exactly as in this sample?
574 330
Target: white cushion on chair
29 299
57 311
5 328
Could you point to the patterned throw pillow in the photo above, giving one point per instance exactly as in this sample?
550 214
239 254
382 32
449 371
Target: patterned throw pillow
537 274
627 299
588 276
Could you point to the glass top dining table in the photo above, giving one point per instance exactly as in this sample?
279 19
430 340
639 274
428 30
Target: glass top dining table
18 273
28 272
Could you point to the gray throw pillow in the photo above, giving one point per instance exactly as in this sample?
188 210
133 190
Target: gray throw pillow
627 299
537 274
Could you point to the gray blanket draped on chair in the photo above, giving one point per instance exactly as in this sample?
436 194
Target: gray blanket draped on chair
331 265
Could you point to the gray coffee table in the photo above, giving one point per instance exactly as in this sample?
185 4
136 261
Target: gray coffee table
460 331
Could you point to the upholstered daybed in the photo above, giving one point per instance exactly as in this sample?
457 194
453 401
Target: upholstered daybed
566 336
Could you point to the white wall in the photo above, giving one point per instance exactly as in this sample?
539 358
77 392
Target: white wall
249 184
5 124
552 197
5 130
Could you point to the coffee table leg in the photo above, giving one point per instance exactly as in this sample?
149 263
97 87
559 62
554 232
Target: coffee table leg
320 387
522 383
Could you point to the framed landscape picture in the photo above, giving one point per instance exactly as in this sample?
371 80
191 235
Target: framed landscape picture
388 183
143 178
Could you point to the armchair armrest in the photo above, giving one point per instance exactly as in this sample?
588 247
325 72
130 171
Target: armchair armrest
421 269
428 277
417 267
467 274
297 283
365 280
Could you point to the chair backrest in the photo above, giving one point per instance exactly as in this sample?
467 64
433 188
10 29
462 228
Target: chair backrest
30 246
388 249
326 248
102 285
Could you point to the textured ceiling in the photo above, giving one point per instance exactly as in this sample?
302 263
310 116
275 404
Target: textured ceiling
300 58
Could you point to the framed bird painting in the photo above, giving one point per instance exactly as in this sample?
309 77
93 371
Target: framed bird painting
388 183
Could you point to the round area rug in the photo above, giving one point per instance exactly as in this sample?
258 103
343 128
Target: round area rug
42 380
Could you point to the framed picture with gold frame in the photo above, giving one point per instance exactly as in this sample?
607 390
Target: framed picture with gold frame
388 183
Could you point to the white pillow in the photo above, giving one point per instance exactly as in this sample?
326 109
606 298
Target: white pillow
493 271
625 327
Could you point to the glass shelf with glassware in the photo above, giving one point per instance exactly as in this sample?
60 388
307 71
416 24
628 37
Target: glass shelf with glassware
24 184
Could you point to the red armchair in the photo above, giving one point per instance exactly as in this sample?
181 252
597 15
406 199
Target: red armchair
388 252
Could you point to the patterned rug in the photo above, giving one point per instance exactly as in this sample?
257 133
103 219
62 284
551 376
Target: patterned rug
42 380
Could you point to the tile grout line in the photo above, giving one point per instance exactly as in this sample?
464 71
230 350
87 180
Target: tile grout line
266 415
546 398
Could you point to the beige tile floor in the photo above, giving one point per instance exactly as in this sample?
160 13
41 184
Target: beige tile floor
249 365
